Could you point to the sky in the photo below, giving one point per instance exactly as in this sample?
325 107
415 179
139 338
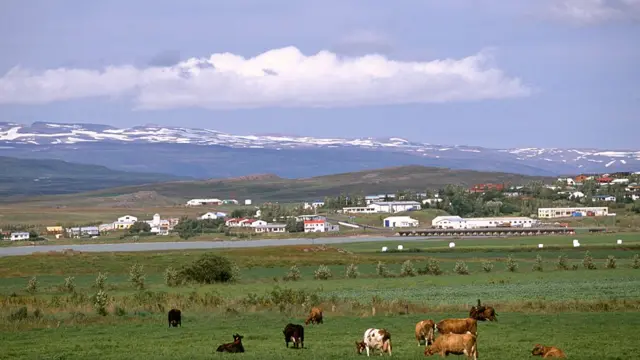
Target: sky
494 73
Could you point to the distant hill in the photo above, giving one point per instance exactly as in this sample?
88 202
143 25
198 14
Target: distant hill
270 187
31 177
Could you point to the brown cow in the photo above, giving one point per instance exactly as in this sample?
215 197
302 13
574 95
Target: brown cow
457 326
315 316
547 352
482 313
425 332
457 344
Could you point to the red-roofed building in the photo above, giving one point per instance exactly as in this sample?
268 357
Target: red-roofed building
319 226
480 188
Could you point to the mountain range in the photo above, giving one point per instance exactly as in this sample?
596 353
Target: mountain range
204 153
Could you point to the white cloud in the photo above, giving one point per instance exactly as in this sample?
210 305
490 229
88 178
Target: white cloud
589 12
281 77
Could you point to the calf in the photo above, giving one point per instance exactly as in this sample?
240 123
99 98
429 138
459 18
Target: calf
482 313
425 332
457 344
232 347
175 318
294 333
375 339
547 352
315 316
457 326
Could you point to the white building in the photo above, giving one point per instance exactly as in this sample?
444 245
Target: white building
576 195
313 205
400 221
200 202
489 222
395 206
620 181
212 216
159 226
247 201
609 198
370 199
125 222
271 228
359 210
550 213
18 236
448 222
319 226
568 181
258 223
432 201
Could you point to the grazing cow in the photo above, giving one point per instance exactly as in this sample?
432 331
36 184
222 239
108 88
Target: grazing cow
232 347
457 344
482 313
315 316
548 352
175 318
425 332
294 333
375 339
457 326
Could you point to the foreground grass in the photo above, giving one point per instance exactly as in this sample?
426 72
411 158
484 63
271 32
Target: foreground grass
580 335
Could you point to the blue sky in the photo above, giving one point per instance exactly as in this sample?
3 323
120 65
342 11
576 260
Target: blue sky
526 73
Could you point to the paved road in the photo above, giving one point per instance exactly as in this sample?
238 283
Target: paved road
188 245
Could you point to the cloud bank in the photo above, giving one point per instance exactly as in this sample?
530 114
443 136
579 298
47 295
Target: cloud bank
277 78
591 12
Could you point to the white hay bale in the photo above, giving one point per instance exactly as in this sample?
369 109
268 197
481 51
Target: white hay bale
384 248
400 247
540 246
619 242
577 244
452 244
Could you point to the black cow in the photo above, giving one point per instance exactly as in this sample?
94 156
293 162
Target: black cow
175 318
295 334
233 347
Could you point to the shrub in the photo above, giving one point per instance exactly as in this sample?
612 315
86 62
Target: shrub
611 262
20 314
171 277
432 267
512 265
636 262
32 285
537 265
487 266
100 303
461 268
352 271
323 273
236 275
407 269
382 269
562 263
587 262
69 284
208 269
574 267
120 311
101 281
136 276
293 274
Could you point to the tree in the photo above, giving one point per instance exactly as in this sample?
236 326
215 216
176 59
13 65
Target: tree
208 269
139 227
294 226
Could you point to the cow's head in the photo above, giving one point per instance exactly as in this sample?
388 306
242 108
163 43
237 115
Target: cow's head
428 351
237 338
360 346
537 350
174 322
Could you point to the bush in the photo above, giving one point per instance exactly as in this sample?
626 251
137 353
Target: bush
293 274
537 265
32 285
352 272
574 267
611 262
407 269
101 281
171 277
69 284
432 268
562 263
323 273
20 314
461 268
512 265
209 269
136 276
587 262
100 303
636 262
487 266
120 311
382 269
236 275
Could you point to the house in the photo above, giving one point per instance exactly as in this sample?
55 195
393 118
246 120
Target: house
504 221
247 222
604 180
603 198
370 199
319 226
125 222
257 223
159 226
360 210
432 201
568 181
400 221
52 230
200 202
106 227
271 228
448 222
230 202
310 217
247 201
395 206
18 236
212 215
621 181
550 213
314 205
233 222
480 188
576 195
83 231
635 197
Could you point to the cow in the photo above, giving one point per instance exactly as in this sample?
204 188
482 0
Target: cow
425 332
483 313
548 352
375 339
294 333
175 318
457 344
315 316
457 326
232 347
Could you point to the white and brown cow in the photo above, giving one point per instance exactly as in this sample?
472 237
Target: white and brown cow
457 344
375 339
425 332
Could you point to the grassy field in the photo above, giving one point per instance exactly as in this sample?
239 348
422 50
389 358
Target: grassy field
582 311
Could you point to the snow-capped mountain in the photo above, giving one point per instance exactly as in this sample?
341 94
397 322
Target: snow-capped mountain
40 140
